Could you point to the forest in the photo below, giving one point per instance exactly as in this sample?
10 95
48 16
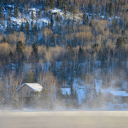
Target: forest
81 45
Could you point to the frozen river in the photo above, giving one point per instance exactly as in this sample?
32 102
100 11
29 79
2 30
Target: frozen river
64 119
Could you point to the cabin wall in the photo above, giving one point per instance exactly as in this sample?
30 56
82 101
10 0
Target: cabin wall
125 99
117 99
24 91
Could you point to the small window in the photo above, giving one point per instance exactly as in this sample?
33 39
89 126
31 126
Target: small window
36 93
31 93
116 97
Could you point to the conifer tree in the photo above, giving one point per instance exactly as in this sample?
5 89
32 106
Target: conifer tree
30 77
57 19
32 25
51 4
32 15
16 11
27 26
19 47
90 6
58 2
1 13
35 49
110 9
51 21
68 25
47 2
72 10
35 27
21 26
84 18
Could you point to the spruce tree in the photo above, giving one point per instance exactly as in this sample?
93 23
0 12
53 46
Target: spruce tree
35 27
27 26
19 47
72 9
21 26
90 6
30 77
57 19
58 3
16 11
1 13
32 15
110 9
35 49
47 2
24 4
84 18
51 4
51 21
32 25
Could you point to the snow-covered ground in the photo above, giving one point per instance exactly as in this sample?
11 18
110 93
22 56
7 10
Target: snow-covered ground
80 88
45 20
66 91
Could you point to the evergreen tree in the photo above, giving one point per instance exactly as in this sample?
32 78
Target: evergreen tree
19 47
32 15
53 41
80 53
35 48
47 2
27 26
90 6
84 18
9 24
58 2
30 77
68 24
1 13
120 42
35 27
11 56
57 19
72 10
16 11
32 25
21 26
51 4
24 4
110 9
51 21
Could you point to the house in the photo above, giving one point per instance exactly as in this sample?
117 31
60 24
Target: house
119 97
29 90
54 12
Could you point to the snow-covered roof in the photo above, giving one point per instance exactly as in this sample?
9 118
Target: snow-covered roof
119 93
33 9
66 91
54 11
34 86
